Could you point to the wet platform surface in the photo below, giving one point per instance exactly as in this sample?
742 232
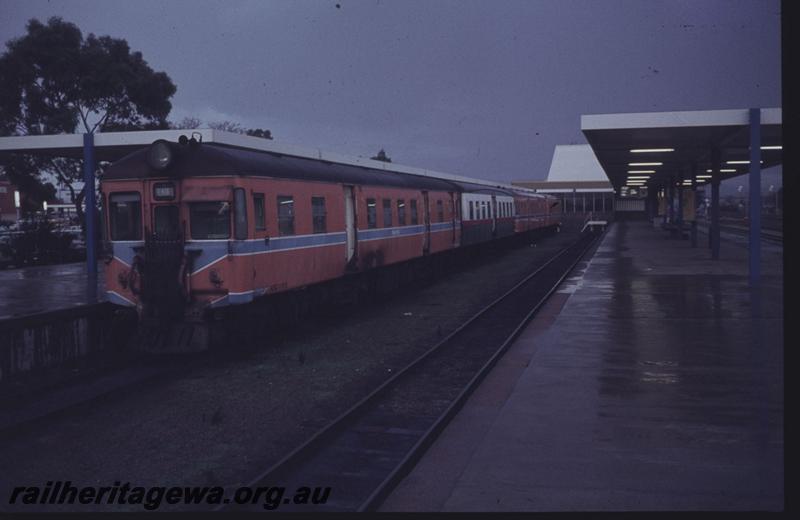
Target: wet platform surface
653 380
31 290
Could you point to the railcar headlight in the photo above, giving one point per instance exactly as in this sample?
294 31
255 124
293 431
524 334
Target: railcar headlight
159 155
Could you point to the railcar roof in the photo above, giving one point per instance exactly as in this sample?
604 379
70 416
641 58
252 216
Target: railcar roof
205 160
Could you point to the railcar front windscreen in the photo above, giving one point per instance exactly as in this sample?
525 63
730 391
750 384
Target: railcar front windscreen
126 216
210 220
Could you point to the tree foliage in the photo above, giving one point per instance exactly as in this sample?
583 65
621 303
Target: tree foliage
187 123
227 126
54 81
259 132
191 123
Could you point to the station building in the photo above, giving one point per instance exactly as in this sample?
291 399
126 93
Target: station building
578 180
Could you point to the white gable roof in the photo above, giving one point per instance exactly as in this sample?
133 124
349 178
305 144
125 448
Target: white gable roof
575 162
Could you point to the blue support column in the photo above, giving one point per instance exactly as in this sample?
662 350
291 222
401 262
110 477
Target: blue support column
670 196
693 173
713 232
755 195
679 219
91 208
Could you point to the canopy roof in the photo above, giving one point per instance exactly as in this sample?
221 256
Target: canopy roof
690 135
112 146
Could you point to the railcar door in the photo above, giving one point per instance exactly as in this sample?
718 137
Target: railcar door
165 212
162 288
350 222
426 215
493 216
455 208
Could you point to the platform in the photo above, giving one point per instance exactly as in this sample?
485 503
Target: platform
43 288
652 381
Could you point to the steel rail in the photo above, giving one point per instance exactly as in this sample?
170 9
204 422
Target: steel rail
385 487
309 448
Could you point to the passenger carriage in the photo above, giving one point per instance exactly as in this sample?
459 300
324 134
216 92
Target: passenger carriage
195 227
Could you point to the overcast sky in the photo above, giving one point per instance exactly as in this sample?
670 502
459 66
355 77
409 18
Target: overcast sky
479 88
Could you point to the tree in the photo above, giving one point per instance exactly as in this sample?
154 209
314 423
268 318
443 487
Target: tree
191 123
381 156
54 81
259 132
229 126
187 123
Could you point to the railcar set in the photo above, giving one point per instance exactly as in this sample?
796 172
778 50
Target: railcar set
192 228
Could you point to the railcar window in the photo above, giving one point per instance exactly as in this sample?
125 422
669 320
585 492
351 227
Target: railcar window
387 213
319 215
126 216
372 214
401 212
258 212
210 220
166 222
414 216
239 214
285 215
471 211
440 210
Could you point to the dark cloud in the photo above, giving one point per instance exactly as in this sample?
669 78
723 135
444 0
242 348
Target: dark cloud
483 89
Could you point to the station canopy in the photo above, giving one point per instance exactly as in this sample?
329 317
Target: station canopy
111 146
659 146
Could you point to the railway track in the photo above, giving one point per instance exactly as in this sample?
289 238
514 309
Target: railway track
768 235
367 450
70 384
